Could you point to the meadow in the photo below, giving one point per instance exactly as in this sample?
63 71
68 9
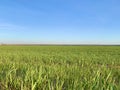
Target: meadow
59 67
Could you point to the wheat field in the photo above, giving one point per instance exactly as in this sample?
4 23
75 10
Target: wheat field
59 67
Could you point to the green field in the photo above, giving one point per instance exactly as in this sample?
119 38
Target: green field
59 67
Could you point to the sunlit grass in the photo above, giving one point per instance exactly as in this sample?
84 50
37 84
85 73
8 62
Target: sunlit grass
59 68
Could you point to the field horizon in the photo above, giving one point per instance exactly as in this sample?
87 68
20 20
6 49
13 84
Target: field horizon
5 44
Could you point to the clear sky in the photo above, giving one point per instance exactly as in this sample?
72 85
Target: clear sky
60 21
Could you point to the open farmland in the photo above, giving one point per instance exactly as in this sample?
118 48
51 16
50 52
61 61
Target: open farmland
59 67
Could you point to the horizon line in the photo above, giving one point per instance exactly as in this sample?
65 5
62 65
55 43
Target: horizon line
62 44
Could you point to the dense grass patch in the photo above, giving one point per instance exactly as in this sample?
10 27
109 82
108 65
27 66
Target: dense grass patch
59 67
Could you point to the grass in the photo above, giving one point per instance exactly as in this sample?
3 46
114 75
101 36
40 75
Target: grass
59 68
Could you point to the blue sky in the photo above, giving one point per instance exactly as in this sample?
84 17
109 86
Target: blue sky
60 21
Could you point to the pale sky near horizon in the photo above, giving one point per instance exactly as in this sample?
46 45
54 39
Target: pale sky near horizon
60 21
